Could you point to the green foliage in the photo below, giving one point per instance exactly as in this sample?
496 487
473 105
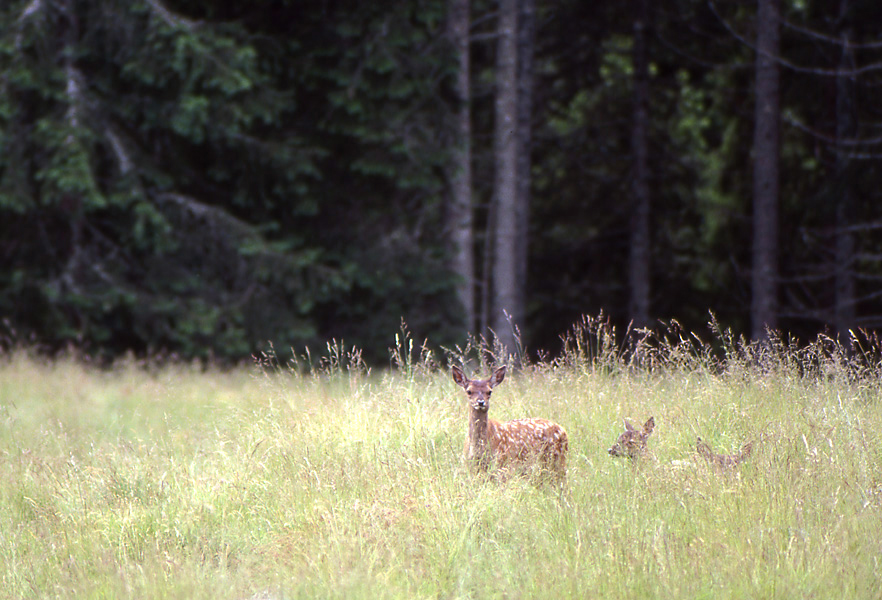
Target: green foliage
181 177
204 177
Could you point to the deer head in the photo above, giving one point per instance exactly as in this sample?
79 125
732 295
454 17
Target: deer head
632 441
478 390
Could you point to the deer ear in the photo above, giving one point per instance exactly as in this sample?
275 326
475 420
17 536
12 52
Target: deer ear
497 377
460 379
649 425
628 426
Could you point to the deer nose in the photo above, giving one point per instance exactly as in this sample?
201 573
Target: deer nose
482 404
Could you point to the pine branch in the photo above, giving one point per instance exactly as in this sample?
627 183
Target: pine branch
836 41
122 158
788 118
792 66
170 18
30 10
213 215
74 94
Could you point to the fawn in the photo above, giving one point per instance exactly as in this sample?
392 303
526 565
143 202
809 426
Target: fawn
632 441
512 445
723 461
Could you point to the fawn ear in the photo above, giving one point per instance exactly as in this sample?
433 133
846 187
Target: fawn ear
628 426
649 425
460 379
497 377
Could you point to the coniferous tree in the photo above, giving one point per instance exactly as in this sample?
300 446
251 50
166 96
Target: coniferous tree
461 217
526 41
764 307
507 306
188 176
846 129
640 245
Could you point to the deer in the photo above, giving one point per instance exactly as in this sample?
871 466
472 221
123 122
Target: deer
723 461
632 441
511 446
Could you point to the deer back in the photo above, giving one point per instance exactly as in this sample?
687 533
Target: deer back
528 441
723 461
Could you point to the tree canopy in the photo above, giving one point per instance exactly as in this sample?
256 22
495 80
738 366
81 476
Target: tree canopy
204 177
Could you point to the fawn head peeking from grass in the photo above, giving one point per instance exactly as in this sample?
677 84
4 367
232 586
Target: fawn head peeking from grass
632 441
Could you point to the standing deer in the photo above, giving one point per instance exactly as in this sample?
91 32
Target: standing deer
632 441
512 445
723 461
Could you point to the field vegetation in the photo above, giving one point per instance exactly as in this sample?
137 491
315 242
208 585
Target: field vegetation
322 478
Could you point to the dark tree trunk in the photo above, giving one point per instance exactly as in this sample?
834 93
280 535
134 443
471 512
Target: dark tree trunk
506 290
525 36
640 258
461 222
846 128
764 307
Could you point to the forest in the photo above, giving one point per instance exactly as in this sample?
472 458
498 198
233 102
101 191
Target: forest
202 178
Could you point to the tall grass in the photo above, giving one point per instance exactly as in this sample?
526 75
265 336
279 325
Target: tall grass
323 479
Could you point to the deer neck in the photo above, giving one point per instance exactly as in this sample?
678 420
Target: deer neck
479 435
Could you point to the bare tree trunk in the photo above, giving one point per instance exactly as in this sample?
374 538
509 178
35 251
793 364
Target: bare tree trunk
846 128
486 285
526 42
505 284
640 258
764 307
461 224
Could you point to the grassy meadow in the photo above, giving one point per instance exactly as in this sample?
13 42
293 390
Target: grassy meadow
336 481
